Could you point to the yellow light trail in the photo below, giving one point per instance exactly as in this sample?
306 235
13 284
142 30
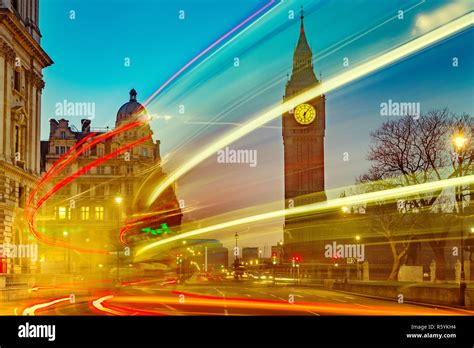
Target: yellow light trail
370 197
362 70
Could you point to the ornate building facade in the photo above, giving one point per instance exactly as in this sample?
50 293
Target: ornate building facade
90 211
21 63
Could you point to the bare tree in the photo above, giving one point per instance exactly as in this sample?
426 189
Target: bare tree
410 151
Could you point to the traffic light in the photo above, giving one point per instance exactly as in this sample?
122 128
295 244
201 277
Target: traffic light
274 257
295 261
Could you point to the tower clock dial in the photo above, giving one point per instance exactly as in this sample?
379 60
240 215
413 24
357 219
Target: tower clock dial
305 114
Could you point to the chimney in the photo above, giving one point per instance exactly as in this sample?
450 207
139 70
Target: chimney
86 126
53 125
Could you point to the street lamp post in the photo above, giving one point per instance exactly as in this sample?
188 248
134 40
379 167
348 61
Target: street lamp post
459 142
236 254
118 201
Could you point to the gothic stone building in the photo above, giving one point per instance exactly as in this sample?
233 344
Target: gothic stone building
21 63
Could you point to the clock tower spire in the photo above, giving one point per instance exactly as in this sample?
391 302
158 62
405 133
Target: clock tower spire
303 131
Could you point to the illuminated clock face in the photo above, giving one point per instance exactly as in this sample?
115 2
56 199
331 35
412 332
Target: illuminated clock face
305 114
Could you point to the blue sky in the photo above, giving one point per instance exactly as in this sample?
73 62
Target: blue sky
89 54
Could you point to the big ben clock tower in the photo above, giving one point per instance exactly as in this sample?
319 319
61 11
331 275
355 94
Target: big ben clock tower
303 141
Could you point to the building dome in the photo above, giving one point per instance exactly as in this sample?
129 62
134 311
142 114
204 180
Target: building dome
130 109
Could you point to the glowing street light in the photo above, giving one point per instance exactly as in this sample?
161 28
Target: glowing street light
345 209
459 141
357 238
118 200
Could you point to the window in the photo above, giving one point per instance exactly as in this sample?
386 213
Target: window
21 196
99 213
85 189
100 151
18 143
130 189
63 135
15 5
144 152
65 191
115 170
17 81
85 215
129 169
101 170
60 150
64 213
100 190
114 189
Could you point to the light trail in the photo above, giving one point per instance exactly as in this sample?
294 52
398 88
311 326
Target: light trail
214 44
98 304
395 193
356 73
62 162
31 310
275 305
57 187
48 173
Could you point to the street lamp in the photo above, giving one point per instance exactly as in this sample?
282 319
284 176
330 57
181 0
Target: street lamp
236 250
459 143
118 201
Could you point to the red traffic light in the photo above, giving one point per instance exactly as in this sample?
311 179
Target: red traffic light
297 258
274 254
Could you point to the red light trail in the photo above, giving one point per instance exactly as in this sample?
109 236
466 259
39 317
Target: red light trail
64 160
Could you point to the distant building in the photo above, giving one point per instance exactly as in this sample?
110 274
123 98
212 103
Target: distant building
85 212
217 255
22 60
250 254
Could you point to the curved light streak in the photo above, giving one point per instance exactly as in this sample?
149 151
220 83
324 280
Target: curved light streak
31 310
64 182
214 44
356 73
332 204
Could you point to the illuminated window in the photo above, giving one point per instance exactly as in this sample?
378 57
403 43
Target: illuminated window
64 213
85 215
100 151
99 213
